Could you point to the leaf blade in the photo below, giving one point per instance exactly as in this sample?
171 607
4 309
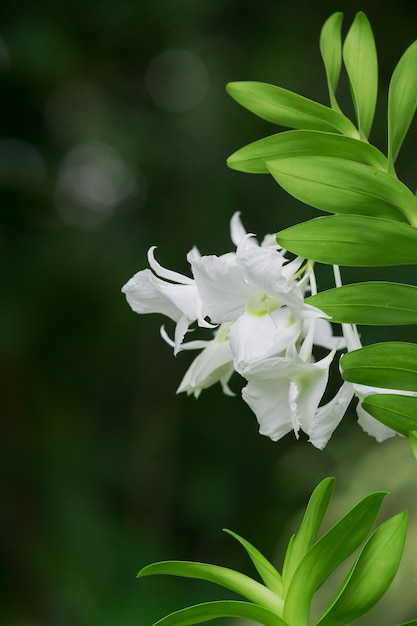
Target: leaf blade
395 411
360 59
251 158
286 108
208 611
331 52
342 186
352 240
402 100
373 303
390 365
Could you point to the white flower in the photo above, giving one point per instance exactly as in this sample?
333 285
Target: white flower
213 364
166 292
285 393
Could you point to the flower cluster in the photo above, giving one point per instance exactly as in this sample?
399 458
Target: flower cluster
252 301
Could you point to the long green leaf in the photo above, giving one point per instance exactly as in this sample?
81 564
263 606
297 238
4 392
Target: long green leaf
412 436
352 240
338 185
326 554
251 158
395 411
359 56
371 575
331 52
390 364
228 578
286 108
309 528
372 303
266 570
208 611
402 100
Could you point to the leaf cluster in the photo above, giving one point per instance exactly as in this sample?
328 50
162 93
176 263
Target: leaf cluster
327 162
285 599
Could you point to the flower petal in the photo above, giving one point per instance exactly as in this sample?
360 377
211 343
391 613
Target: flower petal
328 417
268 399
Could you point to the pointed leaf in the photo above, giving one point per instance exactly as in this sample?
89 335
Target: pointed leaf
372 303
286 108
359 56
207 611
331 52
342 186
371 575
395 411
228 578
266 570
352 240
251 158
390 364
310 525
412 435
326 554
402 100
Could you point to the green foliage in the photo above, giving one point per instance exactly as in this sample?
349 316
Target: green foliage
332 167
372 303
390 364
352 240
308 563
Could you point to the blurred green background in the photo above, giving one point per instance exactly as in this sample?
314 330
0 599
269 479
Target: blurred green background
114 130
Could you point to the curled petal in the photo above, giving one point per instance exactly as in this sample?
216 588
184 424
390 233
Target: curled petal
163 272
329 416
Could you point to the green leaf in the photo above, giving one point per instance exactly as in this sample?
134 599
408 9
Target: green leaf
331 52
266 570
372 303
341 186
412 622
228 578
359 56
390 364
393 410
352 240
412 435
313 517
402 100
326 554
371 575
251 158
286 108
221 608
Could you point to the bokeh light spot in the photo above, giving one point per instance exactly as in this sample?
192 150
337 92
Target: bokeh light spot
177 80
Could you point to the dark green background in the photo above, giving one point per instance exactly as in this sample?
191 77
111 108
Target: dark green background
103 468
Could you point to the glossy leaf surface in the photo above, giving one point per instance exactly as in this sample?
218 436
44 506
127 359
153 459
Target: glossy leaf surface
331 52
390 364
251 158
371 575
373 303
208 611
336 545
402 100
286 108
360 59
341 186
352 240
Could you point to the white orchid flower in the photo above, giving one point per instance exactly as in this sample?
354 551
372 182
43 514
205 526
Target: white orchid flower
285 393
166 292
213 364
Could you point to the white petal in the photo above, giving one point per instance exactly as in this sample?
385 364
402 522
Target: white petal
329 416
144 293
268 399
212 365
237 231
222 287
253 338
163 272
372 426
323 336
